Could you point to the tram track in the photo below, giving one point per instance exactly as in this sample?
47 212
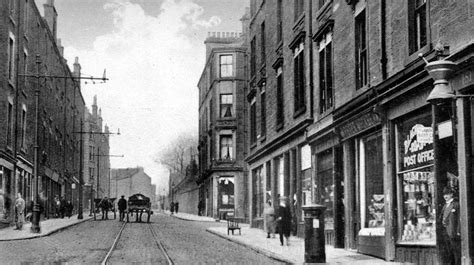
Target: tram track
158 243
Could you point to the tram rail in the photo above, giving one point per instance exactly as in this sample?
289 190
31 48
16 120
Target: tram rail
155 239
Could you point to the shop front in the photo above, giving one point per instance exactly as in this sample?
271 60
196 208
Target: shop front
416 186
363 184
6 194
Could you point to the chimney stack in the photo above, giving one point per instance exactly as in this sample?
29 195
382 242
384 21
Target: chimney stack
51 16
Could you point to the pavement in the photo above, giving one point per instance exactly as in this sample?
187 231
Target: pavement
48 227
257 240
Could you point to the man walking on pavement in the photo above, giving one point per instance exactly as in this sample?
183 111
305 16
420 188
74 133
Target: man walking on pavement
451 232
176 207
19 212
122 206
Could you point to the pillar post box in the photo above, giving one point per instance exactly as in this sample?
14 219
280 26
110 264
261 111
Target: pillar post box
314 245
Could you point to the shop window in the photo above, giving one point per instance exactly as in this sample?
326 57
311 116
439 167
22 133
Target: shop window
306 191
5 193
258 190
371 184
280 177
416 180
226 193
325 186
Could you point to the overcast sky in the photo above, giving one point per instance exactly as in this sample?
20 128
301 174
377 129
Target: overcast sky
154 52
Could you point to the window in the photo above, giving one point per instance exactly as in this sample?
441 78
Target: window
226 147
23 127
325 186
253 60
258 190
26 16
417 21
280 177
91 153
279 105
9 124
299 92
371 182
253 121
25 67
225 64
91 172
12 5
416 180
322 2
279 21
11 58
325 74
299 7
263 113
306 187
361 50
226 192
262 43
226 105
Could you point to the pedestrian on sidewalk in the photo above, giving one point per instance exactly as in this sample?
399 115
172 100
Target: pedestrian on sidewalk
122 206
269 216
57 208
176 207
19 212
284 220
200 207
172 207
451 231
62 208
68 208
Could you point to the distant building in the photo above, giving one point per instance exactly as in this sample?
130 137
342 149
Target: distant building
129 181
222 125
96 160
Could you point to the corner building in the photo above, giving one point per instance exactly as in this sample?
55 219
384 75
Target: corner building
367 144
222 127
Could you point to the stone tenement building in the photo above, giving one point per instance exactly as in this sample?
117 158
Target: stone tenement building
222 125
96 166
340 114
24 33
130 181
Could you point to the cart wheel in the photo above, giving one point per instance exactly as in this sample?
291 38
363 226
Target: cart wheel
148 219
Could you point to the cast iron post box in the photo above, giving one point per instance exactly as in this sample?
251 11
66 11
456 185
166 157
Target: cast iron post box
314 245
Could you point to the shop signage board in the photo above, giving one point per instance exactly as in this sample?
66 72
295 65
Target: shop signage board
417 147
358 125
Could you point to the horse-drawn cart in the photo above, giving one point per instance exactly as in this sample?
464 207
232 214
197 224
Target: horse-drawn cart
102 203
139 204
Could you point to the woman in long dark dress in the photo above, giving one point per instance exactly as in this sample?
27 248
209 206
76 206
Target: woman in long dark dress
284 220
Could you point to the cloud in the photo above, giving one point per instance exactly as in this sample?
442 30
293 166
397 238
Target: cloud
153 69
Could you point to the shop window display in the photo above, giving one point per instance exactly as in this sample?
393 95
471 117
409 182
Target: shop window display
371 184
416 181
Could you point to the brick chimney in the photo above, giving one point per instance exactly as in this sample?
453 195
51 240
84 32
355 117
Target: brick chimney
94 109
77 71
51 16
100 119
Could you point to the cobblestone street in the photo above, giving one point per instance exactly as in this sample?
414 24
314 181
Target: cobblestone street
88 243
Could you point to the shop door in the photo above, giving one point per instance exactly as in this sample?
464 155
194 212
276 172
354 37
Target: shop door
371 236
